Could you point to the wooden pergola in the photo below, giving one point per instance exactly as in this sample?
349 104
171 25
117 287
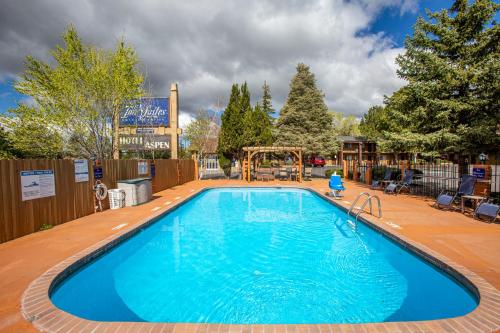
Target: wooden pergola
252 151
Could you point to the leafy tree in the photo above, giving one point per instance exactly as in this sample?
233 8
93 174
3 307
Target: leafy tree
5 145
82 93
452 98
258 130
33 136
347 126
304 119
201 132
267 105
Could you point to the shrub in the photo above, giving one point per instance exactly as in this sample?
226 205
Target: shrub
329 172
225 164
265 164
45 226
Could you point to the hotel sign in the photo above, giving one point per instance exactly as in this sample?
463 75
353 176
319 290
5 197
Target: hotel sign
145 142
146 112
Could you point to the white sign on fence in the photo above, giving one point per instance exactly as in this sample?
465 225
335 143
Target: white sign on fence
81 170
37 184
142 167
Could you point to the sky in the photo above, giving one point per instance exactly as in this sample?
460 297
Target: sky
205 46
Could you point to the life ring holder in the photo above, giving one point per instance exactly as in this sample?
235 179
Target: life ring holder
101 192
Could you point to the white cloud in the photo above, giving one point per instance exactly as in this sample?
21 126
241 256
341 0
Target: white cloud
205 46
184 120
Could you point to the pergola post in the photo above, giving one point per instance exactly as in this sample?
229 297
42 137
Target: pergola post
249 170
300 166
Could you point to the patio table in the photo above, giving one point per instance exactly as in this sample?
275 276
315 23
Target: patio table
474 198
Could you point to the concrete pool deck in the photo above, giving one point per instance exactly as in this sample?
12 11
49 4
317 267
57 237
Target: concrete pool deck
464 241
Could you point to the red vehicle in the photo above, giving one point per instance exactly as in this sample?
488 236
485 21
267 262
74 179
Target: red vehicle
316 161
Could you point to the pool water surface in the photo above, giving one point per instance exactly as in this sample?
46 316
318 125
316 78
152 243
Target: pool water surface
260 256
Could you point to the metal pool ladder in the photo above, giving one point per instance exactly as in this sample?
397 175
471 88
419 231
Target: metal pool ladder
361 208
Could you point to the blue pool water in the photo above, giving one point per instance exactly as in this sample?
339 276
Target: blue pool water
259 255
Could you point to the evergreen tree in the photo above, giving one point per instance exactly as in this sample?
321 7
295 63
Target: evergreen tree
452 99
267 105
232 130
257 128
374 123
304 119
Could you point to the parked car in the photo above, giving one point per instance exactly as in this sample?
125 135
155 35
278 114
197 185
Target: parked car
316 161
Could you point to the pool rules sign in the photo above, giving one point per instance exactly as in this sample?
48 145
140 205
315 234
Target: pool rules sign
37 184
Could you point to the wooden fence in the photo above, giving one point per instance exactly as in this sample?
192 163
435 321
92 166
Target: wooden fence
72 200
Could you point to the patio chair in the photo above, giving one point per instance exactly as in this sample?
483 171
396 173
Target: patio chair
486 209
446 198
307 173
376 184
283 174
395 188
336 186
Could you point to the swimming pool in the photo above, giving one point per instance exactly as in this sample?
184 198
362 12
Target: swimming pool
260 255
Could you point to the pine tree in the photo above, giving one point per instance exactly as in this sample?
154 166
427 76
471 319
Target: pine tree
257 128
267 105
231 127
452 99
304 119
374 123
233 133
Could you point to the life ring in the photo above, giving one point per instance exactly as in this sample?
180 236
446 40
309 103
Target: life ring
101 191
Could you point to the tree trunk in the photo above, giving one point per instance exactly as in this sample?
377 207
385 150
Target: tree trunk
116 135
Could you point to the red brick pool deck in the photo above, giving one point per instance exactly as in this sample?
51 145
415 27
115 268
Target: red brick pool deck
471 247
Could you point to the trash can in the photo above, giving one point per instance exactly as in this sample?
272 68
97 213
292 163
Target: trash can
137 191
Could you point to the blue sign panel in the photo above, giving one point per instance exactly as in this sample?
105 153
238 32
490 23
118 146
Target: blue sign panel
146 112
98 172
480 173
153 170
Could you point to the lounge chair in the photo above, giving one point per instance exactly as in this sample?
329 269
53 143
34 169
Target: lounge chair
336 186
395 188
376 184
489 210
446 198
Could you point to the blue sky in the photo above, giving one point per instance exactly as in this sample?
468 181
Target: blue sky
399 26
198 88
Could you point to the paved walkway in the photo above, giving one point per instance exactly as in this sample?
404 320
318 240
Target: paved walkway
474 244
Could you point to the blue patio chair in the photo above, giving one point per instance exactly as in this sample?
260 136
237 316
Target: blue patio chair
376 184
395 188
446 198
336 186
488 210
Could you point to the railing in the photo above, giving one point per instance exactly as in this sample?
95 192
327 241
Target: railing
430 178
368 200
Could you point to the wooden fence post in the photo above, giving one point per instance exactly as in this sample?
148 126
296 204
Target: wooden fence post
368 173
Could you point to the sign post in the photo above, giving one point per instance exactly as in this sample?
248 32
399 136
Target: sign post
151 124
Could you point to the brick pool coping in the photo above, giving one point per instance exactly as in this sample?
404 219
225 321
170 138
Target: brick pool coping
37 307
